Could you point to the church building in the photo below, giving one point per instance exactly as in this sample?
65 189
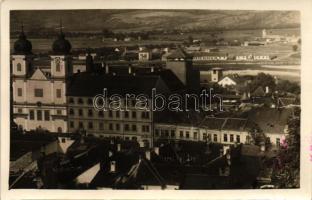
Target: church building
39 100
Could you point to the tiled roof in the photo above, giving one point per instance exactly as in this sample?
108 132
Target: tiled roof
270 120
90 84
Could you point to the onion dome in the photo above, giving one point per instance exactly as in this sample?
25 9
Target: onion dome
61 46
22 45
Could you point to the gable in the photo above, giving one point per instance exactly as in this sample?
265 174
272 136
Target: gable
227 81
38 75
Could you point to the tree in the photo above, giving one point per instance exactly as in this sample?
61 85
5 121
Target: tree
287 168
263 80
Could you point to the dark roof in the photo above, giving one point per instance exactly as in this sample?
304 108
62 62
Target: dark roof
61 46
235 124
171 80
21 144
258 92
91 84
192 118
212 123
270 120
22 45
178 54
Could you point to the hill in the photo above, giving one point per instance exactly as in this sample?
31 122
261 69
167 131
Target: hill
135 20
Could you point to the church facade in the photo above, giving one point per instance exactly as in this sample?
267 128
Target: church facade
39 96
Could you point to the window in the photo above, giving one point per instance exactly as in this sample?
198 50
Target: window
101 126
38 92
117 127
117 114
80 112
145 115
101 114
31 115
19 92
195 135
237 138
59 112
39 115
90 102
134 127
215 137
71 124
172 133
71 100
278 142
181 134
59 130
19 110
81 125
126 114
162 132
90 125
231 138
90 113
214 71
71 111
157 132
110 113
80 101
166 133
110 126
18 67
187 134
63 140
57 65
126 127
225 137
58 93
133 114
46 115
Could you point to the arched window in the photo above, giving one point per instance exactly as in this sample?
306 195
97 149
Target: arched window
18 67
59 130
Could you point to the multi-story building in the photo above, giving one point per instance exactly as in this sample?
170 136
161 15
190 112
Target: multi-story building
211 129
39 99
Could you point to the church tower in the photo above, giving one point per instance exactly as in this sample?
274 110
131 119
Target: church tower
21 67
22 56
61 62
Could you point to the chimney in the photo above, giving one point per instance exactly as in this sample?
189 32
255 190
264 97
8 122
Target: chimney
148 155
129 70
112 141
118 147
267 89
156 150
106 69
152 69
112 166
226 149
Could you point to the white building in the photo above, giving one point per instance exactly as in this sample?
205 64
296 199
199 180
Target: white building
39 100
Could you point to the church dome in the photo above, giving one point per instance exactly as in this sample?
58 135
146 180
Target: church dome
22 45
61 45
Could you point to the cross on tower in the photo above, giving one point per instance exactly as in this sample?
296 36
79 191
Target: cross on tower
60 27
